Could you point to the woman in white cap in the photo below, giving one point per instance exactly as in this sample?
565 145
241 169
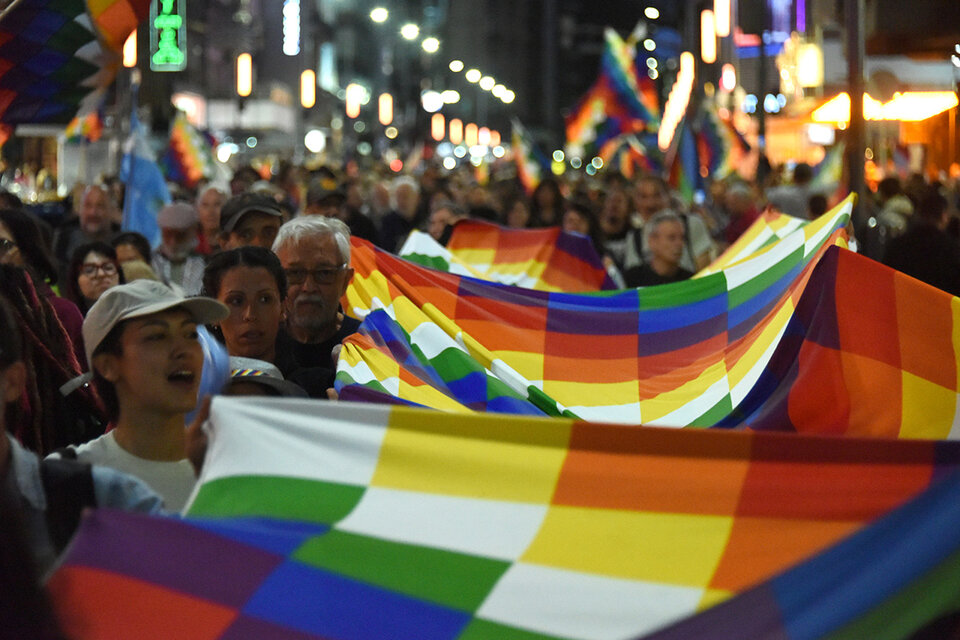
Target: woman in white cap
141 343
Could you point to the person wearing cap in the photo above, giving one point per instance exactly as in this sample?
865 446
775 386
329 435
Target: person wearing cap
325 198
252 377
249 219
176 261
141 343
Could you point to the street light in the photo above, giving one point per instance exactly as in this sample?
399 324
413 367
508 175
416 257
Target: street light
432 101
450 96
708 37
508 96
471 134
721 12
652 13
456 131
244 75
487 83
379 14
473 75
130 50
385 109
354 96
437 126
308 89
410 31
456 66
430 45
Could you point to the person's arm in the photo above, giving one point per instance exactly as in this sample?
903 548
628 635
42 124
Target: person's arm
119 490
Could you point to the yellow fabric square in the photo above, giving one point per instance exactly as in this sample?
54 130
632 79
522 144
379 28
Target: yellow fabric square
770 333
478 258
527 364
671 548
928 409
713 597
409 316
669 401
531 268
590 394
382 365
362 291
431 397
511 458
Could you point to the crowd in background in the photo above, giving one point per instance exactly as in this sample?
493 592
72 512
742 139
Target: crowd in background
101 356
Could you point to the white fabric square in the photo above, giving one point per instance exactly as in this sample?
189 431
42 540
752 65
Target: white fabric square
266 436
584 606
490 528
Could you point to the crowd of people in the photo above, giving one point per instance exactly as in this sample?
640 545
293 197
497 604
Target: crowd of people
100 361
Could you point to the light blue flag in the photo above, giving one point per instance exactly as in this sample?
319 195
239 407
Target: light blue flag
146 189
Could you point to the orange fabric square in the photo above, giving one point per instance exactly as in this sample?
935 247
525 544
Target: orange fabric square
599 347
651 469
75 590
926 337
866 311
830 478
818 402
580 369
876 392
762 547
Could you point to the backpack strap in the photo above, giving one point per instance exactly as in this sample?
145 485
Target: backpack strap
68 486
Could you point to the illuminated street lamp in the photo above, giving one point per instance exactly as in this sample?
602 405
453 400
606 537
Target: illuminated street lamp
437 126
508 96
652 13
450 96
721 15
473 75
487 83
379 14
353 98
409 31
308 89
471 135
708 37
385 109
456 66
430 45
244 75
456 131
130 50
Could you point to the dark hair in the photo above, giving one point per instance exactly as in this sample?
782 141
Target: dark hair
71 287
802 173
932 205
11 347
817 205
28 235
48 420
137 240
248 256
536 213
112 343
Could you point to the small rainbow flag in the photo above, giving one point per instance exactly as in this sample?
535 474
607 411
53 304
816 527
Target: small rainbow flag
86 128
529 160
720 145
189 157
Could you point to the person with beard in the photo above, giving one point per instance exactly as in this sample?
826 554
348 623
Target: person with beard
315 254
176 261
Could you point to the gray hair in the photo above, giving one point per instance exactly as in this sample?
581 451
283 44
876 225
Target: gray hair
296 230
650 227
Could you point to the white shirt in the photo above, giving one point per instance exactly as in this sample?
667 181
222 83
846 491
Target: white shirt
172 480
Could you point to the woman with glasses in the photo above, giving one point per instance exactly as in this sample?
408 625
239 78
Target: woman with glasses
93 270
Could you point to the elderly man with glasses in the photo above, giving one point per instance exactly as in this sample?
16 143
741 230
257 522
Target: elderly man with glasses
315 254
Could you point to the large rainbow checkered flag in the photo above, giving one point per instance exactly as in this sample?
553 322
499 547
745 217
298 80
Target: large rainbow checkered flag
55 55
542 259
350 522
762 342
678 355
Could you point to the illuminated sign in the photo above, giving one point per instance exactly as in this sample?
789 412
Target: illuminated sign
168 35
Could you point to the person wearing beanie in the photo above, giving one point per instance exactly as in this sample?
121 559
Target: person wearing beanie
176 261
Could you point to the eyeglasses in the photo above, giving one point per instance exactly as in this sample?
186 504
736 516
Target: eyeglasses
6 246
90 269
327 275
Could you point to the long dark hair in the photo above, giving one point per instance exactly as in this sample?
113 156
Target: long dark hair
29 237
71 288
45 420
